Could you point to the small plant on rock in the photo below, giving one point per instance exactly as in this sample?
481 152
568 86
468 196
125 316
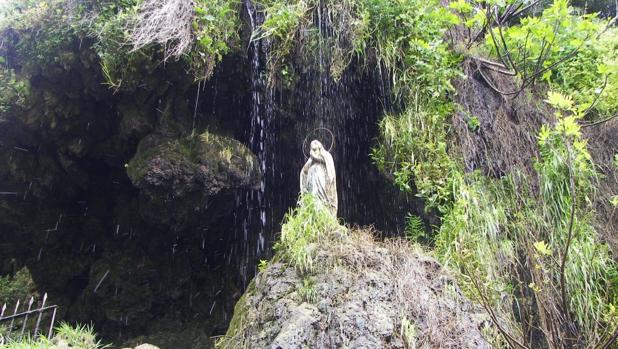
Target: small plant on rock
307 291
303 227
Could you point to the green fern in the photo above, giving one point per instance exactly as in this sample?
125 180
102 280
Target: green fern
415 229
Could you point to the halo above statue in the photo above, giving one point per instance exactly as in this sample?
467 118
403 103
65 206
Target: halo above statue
332 139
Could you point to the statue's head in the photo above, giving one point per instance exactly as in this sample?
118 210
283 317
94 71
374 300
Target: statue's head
316 150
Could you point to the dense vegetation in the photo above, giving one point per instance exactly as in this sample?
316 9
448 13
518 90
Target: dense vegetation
523 246
536 248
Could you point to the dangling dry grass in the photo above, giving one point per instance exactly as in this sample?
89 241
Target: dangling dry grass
167 23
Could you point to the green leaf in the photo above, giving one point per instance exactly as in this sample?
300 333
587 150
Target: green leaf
559 101
542 248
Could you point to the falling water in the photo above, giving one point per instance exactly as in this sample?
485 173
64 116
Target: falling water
281 119
256 213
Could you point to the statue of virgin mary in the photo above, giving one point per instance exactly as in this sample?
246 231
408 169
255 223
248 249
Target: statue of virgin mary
318 177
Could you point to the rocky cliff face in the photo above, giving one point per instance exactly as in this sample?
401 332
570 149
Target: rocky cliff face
364 294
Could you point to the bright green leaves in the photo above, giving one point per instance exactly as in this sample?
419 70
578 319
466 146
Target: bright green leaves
412 145
462 6
552 35
413 149
573 53
569 51
542 248
408 39
283 20
560 101
262 265
215 27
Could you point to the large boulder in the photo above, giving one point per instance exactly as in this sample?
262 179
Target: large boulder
189 176
207 163
365 294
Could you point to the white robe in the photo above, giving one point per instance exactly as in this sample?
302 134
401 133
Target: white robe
318 178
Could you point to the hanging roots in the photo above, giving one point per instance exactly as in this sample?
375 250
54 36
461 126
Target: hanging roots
165 22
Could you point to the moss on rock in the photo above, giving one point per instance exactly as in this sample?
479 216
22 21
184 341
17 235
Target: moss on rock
207 163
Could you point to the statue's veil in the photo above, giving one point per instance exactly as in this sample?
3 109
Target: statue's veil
330 164
331 186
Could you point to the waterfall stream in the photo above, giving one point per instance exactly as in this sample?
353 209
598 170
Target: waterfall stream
281 118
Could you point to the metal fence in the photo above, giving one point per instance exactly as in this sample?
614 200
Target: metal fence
27 320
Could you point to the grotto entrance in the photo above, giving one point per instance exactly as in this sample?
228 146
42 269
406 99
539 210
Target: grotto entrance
119 212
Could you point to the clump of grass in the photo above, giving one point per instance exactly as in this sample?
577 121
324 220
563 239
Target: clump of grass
67 336
78 336
305 225
307 291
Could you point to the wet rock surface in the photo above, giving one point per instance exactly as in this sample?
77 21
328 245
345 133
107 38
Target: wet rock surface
603 146
207 163
141 260
181 181
361 297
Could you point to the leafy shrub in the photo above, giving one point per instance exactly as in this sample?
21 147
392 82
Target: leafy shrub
413 149
408 41
17 287
215 25
577 54
40 30
591 77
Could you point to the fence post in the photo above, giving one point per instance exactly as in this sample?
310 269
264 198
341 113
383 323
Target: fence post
23 327
13 318
51 324
38 320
